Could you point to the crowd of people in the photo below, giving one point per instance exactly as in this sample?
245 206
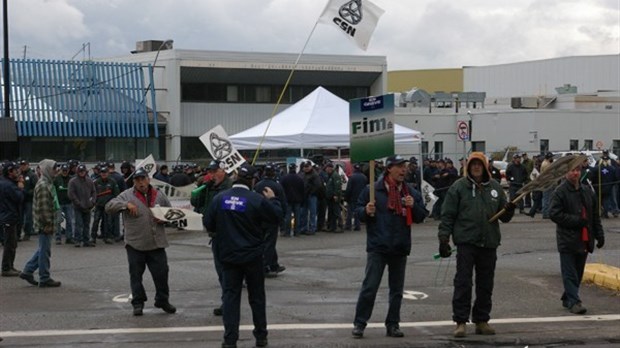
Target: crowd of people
244 214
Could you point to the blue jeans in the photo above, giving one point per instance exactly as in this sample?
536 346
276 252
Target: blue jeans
82 226
546 201
572 266
375 265
67 210
351 215
233 275
41 258
27 222
292 209
309 206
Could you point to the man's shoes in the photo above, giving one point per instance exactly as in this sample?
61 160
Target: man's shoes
484 328
280 269
77 245
88 245
107 241
69 241
461 330
29 278
50 283
577 308
393 331
358 331
167 307
218 311
356 228
10 273
261 342
229 345
137 309
271 274
58 242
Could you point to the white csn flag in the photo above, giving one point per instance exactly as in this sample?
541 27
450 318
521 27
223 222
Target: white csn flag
148 164
356 19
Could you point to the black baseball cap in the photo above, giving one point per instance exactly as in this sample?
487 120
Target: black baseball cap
82 168
140 173
215 164
394 160
246 171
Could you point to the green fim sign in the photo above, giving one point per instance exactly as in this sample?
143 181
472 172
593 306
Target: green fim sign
371 127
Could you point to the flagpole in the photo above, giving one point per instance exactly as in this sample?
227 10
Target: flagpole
288 80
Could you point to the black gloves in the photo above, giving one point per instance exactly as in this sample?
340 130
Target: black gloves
510 207
444 249
600 241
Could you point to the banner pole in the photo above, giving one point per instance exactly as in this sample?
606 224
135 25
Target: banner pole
288 80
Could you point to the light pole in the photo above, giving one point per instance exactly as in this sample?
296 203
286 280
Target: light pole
168 45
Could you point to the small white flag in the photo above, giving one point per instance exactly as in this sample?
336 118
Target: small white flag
148 164
356 19
216 141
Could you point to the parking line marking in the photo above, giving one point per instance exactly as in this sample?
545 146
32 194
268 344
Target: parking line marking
283 327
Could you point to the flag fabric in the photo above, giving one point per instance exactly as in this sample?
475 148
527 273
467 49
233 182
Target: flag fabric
429 197
356 19
183 218
216 141
148 164
172 192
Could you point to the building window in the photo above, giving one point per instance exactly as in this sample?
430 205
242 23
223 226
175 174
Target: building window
424 149
616 147
263 94
438 150
573 145
479 146
587 144
232 94
544 145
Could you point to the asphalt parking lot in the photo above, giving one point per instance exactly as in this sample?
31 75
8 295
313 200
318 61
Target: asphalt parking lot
312 303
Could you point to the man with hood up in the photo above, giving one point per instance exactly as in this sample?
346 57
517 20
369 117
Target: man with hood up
469 204
45 213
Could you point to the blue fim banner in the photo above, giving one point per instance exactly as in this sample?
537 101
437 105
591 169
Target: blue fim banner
372 127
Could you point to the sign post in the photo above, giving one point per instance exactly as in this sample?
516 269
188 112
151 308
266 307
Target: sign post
462 131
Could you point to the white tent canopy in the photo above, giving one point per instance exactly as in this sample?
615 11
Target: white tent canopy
320 120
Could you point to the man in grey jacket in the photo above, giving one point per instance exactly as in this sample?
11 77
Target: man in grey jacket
145 240
83 195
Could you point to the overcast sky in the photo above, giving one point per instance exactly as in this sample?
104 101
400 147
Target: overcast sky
412 34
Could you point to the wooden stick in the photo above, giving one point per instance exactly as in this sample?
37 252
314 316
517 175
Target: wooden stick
501 212
372 181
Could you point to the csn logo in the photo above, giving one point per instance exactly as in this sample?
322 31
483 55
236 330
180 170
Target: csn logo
350 15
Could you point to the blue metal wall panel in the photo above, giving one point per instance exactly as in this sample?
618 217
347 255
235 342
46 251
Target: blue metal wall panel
78 99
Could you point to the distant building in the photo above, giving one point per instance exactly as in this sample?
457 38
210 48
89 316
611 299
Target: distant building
562 104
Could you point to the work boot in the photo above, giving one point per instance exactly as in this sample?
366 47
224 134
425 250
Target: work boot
167 307
393 331
10 273
484 328
461 330
358 331
577 308
137 309
262 342
50 283
218 311
29 278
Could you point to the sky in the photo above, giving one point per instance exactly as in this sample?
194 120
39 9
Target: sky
412 34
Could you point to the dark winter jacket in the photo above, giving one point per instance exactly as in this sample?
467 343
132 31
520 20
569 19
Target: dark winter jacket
565 210
467 208
355 186
516 174
235 218
293 186
387 232
62 188
11 198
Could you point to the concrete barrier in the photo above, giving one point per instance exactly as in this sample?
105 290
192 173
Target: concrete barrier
602 275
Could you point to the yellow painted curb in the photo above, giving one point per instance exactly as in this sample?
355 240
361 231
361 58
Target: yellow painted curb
602 275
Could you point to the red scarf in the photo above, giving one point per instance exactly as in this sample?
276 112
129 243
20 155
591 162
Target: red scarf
151 196
395 199
584 230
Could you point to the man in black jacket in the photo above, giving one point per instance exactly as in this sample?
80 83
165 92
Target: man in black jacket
356 184
293 186
11 197
575 211
235 219
516 174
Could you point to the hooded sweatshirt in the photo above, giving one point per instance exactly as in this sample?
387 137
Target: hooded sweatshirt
469 205
45 200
